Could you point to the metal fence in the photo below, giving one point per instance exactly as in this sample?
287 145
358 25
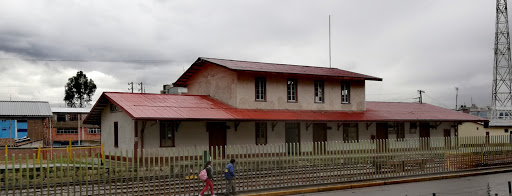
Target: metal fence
174 171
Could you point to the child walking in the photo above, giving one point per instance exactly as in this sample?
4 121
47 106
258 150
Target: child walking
208 181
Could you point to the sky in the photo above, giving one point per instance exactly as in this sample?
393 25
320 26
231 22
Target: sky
429 45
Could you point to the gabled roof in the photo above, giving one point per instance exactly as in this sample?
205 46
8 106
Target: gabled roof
25 109
201 107
237 65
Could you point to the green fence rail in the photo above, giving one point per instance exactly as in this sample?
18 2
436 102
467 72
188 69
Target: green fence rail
174 171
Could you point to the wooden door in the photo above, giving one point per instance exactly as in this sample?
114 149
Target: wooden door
216 138
382 136
424 135
292 137
424 129
319 137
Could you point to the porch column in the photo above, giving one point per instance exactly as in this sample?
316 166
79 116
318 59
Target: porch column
136 138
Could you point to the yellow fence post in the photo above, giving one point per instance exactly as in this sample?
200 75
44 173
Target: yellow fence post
102 153
38 153
70 150
5 150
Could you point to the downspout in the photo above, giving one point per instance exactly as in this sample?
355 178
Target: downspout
16 129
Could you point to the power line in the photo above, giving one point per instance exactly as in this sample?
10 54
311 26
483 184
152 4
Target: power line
439 102
91 60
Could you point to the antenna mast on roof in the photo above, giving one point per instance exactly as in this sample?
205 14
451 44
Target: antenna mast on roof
329 41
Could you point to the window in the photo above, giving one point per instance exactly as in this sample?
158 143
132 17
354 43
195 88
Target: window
261 133
116 134
292 90
67 131
350 132
61 118
260 85
73 117
345 92
167 134
413 125
319 91
94 130
114 108
398 129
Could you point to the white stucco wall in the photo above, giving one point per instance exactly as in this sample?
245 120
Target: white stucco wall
125 131
276 95
475 129
471 129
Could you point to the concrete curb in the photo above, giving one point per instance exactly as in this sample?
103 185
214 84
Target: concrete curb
378 183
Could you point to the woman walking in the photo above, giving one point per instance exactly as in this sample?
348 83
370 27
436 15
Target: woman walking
208 180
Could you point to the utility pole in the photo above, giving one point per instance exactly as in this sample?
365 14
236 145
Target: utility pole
501 105
141 87
131 86
329 41
456 97
421 97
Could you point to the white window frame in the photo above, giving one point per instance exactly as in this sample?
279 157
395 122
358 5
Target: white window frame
291 90
67 131
94 130
345 92
319 91
260 88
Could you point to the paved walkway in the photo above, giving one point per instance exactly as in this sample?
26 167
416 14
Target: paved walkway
460 183
474 186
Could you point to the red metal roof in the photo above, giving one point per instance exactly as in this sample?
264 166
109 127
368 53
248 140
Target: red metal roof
202 107
272 68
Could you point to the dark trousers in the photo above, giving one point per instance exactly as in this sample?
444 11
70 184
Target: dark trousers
230 186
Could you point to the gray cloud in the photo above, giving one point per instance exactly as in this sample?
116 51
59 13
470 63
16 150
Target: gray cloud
429 45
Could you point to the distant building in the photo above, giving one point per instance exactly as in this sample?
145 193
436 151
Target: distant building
501 126
169 89
24 121
13 129
66 125
474 110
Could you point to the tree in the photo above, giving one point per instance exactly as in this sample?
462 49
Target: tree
79 90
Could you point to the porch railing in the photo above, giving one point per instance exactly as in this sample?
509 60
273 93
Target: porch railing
175 171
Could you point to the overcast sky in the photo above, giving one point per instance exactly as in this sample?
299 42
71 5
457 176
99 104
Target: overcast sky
432 45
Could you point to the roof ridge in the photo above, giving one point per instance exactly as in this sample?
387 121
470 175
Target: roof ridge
155 94
272 63
26 101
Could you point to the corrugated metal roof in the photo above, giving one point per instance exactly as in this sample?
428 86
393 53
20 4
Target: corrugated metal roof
237 65
28 109
201 107
71 110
